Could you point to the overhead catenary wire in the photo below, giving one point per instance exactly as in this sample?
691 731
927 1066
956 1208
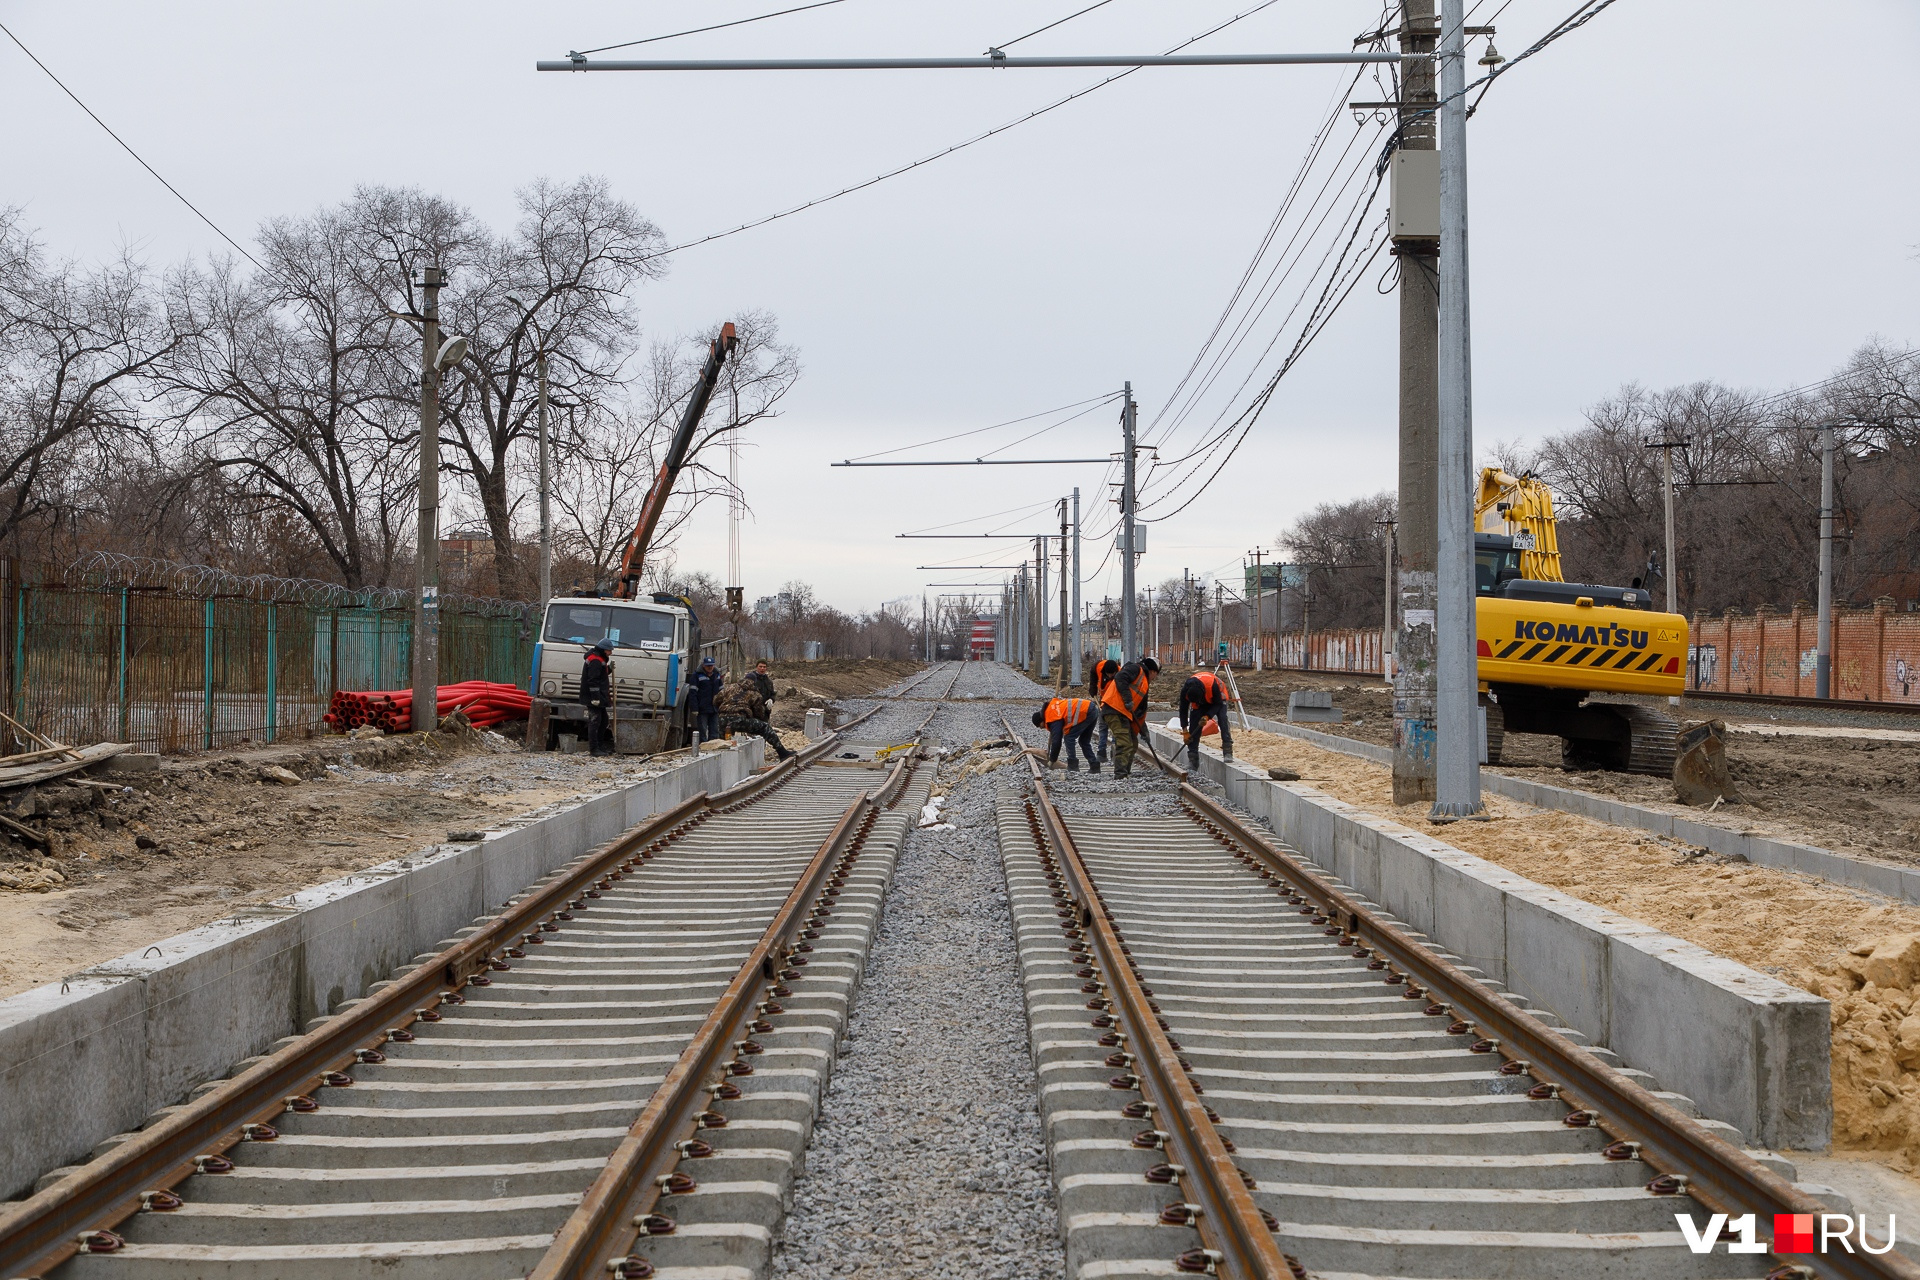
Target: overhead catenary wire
956 147
1058 22
1095 401
128 148
1242 424
694 31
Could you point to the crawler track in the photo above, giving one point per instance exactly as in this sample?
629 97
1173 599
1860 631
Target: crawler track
615 1075
1248 1070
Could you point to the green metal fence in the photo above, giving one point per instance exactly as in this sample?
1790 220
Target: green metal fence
181 657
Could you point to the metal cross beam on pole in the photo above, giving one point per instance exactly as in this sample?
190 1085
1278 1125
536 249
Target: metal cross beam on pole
990 62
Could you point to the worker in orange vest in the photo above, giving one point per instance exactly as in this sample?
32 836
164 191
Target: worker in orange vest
1123 707
1068 720
1103 672
1204 695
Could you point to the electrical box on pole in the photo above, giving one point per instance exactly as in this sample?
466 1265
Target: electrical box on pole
1414 195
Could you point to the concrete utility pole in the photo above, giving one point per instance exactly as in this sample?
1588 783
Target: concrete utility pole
1076 587
1823 660
1416 242
1386 606
1187 595
1257 621
1129 560
546 498
1040 601
426 567
1457 684
1666 445
1219 617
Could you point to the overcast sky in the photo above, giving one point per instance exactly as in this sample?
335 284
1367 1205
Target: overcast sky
1681 190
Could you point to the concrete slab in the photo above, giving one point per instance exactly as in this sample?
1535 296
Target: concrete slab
83 1060
1615 980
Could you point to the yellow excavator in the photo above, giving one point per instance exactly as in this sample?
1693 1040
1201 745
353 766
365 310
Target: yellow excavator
1547 645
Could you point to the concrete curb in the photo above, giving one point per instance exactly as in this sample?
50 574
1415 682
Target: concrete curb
1748 1048
85 1059
1893 880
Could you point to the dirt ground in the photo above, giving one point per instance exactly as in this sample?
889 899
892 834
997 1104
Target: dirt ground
807 684
1818 936
176 849
1847 788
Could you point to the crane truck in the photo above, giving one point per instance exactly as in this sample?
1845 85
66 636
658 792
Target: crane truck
1546 646
655 642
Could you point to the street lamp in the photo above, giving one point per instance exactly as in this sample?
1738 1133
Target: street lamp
546 473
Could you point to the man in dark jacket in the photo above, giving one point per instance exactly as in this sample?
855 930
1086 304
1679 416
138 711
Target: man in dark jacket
743 710
1123 706
596 692
1103 671
1204 695
705 695
763 681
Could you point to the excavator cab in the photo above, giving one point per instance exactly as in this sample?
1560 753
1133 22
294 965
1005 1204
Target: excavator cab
1496 562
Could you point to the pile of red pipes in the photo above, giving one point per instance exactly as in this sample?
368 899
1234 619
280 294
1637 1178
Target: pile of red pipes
392 710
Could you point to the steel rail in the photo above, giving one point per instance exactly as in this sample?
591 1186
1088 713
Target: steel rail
619 1208
1237 1236
46 1229
1688 1159
1906 709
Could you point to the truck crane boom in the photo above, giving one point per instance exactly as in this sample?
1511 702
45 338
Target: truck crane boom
650 511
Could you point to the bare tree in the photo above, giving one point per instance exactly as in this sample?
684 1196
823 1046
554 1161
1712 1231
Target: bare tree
287 385
1340 549
75 346
607 464
573 260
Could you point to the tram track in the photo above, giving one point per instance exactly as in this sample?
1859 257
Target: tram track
614 1075
1225 1037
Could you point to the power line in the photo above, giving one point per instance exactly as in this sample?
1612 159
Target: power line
694 31
958 146
1095 401
1051 25
240 248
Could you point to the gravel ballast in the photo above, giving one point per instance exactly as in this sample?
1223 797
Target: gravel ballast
928 1159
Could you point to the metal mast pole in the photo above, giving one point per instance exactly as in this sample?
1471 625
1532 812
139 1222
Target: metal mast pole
426 567
1066 620
1413 680
1076 587
1040 601
1823 668
1129 610
546 498
1457 684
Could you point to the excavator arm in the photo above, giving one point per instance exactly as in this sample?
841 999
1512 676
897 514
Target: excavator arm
1525 507
641 539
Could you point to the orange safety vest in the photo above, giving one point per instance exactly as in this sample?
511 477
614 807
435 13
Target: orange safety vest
1136 696
1069 711
1212 684
1104 671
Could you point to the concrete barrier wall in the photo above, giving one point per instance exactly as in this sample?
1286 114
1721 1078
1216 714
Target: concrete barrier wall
96 1055
1749 1049
1892 879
